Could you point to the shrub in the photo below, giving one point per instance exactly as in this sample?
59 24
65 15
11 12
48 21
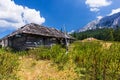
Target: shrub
96 62
40 53
56 53
21 53
59 56
8 66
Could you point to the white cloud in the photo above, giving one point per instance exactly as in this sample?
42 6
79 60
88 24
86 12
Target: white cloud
114 11
96 4
94 9
15 16
99 17
72 31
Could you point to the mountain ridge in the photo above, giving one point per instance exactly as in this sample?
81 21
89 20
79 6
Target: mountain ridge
111 21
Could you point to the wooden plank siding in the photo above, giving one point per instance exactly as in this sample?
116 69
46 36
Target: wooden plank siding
34 35
27 41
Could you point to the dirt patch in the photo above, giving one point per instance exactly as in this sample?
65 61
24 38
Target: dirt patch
31 69
89 39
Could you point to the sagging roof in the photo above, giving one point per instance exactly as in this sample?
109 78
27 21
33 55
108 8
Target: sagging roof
36 29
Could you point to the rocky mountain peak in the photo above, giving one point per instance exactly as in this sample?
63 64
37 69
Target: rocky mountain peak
110 21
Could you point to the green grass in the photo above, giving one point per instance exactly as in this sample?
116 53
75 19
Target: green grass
96 62
56 53
8 65
91 60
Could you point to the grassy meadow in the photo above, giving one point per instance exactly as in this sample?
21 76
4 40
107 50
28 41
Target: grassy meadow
85 60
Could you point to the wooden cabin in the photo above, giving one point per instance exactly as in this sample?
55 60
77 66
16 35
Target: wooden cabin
34 35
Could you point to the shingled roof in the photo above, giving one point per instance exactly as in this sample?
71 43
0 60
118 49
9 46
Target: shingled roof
36 29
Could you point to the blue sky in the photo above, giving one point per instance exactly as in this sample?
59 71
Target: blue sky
74 14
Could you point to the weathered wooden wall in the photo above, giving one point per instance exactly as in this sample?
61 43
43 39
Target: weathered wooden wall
4 42
26 41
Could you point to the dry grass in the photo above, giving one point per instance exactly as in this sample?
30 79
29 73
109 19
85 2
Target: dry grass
89 39
107 45
32 69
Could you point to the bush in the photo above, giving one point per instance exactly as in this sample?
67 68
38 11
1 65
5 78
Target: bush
59 56
56 53
8 66
40 53
96 62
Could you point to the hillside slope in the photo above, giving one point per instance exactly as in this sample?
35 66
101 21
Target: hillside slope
111 21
